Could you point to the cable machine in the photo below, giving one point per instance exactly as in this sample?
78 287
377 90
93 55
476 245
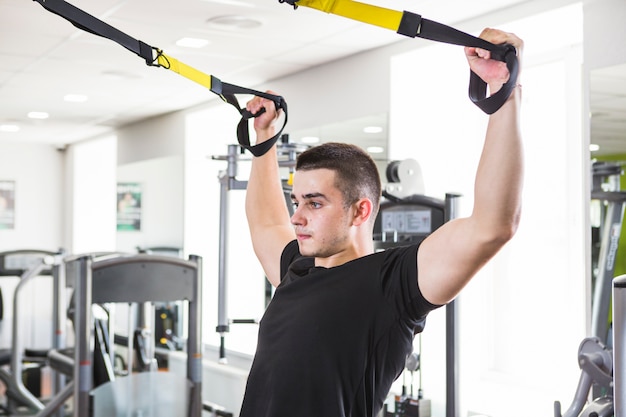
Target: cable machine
595 353
287 154
407 216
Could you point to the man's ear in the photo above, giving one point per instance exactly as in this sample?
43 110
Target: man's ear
363 210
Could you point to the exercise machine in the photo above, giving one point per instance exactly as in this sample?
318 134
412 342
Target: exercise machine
595 353
27 264
132 279
287 154
407 216
168 325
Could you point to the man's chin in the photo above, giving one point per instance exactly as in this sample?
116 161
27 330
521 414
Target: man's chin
305 250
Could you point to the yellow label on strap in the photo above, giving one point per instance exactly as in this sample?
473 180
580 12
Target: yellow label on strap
185 70
366 13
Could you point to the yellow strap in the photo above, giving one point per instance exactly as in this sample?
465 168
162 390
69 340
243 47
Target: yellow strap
366 13
185 70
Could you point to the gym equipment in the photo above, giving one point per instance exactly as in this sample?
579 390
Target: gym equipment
595 354
133 279
413 25
155 57
28 264
596 364
287 154
605 188
168 317
619 345
407 218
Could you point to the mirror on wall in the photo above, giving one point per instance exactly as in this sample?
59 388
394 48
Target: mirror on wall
607 104
369 132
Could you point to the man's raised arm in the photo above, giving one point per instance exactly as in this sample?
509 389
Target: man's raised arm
450 256
267 213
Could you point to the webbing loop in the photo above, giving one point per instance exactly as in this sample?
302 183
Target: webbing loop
414 25
155 57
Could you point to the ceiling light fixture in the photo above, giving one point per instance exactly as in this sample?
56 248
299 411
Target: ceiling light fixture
375 149
40 115
372 129
233 22
9 128
192 43
232 3
594 147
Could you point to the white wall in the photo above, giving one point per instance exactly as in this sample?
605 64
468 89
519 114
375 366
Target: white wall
151 138
605 32
91 211
161 181
38 174
37 171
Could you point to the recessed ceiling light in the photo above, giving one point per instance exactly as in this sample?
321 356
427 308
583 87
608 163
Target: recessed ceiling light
75 98
9 128
232 3
38 115
372 129
310 139
594 147
192 42
375 149
232 22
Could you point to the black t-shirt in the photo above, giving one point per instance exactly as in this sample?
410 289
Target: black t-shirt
333 340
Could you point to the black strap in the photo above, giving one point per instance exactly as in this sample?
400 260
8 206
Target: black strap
413 25
227 92
91 24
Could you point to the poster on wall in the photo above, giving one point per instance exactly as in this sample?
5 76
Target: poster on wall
128 206
7 204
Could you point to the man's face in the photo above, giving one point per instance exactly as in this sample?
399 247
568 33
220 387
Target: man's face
320 220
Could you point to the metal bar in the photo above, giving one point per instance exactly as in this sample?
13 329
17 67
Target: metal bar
606 268
222 301
194 342
228 181
17 343
59 318
619 346
451 210
83 369
57 402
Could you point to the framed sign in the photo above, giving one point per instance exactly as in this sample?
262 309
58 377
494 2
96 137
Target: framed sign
128 206
7 204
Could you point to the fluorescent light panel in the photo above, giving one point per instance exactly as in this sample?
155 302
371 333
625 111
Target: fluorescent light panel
192 43
40 115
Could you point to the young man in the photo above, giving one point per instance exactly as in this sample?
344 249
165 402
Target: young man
342 320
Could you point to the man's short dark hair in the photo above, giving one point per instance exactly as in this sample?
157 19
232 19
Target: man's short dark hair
356 172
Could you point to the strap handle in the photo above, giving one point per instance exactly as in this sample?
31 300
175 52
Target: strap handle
155 57
413 25
227 92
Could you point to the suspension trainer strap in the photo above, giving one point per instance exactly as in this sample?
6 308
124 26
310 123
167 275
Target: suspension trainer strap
156 58
413 25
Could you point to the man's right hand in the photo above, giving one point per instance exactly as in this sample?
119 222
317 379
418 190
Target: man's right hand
264 124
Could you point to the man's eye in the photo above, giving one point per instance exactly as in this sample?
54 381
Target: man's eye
315 204
294 204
